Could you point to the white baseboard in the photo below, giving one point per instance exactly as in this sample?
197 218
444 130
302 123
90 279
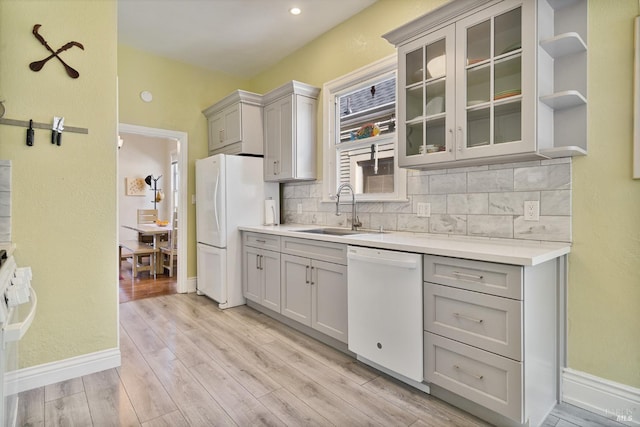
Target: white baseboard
603 397
62 370
191 284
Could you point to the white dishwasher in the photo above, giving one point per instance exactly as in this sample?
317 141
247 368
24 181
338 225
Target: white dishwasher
385 309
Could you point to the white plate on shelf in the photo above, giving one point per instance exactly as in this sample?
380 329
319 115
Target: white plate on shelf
435 106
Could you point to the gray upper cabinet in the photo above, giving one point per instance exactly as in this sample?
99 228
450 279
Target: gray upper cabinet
235 124
290 132
492 81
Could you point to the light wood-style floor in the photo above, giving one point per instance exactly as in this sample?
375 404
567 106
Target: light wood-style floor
144 286
187 363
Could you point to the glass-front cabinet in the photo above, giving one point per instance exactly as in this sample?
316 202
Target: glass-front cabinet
466 89
427 83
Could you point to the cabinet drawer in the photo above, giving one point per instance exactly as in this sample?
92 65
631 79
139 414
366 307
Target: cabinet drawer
324 251
485 378
496 279
485 321
258 240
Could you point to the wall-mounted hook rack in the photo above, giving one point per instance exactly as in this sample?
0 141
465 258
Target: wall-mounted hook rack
36 125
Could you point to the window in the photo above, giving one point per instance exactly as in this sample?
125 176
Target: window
360 141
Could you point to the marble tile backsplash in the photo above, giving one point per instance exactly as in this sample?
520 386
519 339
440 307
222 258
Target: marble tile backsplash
483 201
5 201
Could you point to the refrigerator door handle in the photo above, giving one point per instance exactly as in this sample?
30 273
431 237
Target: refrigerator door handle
216 205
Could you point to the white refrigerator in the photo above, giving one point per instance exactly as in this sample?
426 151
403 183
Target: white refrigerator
230 192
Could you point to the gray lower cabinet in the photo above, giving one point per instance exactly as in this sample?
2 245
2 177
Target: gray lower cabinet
261 270
304 280
490 334
314 293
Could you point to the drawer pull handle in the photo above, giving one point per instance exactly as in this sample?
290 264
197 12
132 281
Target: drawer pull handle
462 316
464 371
468 276
261 241
306 275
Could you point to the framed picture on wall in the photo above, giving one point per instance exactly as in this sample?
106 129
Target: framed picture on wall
135 187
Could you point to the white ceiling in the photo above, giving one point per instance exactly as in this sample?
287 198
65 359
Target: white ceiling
239 37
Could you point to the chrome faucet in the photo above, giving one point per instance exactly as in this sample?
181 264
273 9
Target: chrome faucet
355 222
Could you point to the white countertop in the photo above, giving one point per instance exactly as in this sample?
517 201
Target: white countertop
506 251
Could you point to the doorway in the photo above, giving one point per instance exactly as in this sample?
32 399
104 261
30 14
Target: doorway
176 177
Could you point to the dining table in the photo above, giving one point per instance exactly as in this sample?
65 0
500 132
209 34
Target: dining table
153 230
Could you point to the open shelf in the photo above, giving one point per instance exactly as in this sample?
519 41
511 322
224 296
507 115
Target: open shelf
568 151
564 99
564 44
559 4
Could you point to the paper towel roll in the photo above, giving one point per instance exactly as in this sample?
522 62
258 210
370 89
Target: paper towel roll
269 212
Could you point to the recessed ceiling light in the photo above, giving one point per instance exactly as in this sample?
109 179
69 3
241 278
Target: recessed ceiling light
295 11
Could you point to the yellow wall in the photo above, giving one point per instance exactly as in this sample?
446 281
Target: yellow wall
63 198
180 93
351 45
604 280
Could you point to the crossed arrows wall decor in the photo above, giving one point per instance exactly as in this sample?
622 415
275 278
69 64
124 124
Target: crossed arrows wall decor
37 65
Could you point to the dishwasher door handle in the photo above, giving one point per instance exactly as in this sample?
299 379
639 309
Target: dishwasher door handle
407 264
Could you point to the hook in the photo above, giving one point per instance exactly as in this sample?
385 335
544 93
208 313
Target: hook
30 134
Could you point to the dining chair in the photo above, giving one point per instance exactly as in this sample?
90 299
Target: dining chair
147 216
169 251
140 255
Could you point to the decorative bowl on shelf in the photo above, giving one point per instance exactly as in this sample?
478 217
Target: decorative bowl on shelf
437 66
162 222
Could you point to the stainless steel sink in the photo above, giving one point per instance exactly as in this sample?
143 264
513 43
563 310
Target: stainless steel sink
332 231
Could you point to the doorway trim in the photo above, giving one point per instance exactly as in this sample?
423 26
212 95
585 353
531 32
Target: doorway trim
183 144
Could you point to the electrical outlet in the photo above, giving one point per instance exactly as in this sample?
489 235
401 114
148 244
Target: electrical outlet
424 210
193 199
299 208
532 210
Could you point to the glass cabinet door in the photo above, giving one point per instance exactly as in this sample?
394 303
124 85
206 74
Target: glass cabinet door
426 83
490 106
